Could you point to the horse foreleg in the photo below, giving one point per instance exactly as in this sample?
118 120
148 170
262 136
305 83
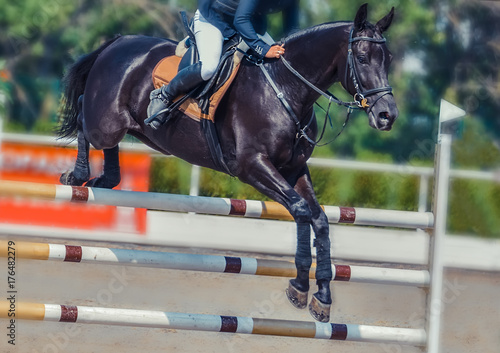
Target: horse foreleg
111 175
299 286
321 302
261 174
81 172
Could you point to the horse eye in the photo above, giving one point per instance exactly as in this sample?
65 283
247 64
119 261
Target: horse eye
362 59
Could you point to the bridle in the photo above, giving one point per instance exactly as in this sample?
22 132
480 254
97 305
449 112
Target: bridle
360 101
361 94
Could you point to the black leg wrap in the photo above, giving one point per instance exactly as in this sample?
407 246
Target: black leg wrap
112 164
320 305
321 302
111 175
299 286
81 172
303 257
323 259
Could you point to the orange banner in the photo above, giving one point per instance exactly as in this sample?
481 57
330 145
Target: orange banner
44 164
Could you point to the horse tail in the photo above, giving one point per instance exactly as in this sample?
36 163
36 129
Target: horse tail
74 85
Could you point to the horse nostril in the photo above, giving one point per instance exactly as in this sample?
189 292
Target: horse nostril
384 116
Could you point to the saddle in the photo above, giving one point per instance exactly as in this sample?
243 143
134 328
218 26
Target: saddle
202 103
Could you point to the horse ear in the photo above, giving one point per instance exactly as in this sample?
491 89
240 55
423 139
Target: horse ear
384 23
361 15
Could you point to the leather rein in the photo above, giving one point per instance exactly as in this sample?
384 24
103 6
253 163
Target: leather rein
360 101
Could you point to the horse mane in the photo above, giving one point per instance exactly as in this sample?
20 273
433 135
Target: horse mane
299 35
317 29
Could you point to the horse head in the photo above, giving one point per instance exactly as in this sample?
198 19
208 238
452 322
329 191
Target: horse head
368 62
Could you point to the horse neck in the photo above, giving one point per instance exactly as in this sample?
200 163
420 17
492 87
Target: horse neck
319 55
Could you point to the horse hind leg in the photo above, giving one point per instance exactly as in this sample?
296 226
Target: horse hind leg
81 171
80 175
111 176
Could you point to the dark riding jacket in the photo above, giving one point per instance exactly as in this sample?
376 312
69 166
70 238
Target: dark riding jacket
249 17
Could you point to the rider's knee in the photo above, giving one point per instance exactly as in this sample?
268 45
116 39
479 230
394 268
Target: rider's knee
208 70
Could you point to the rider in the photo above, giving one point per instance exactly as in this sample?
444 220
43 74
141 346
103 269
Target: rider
214 22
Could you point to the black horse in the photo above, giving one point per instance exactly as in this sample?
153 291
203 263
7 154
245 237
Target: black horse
107 95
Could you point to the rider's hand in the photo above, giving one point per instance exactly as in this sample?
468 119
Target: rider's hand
276 51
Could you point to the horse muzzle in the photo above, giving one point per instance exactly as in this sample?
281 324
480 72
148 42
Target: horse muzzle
383 113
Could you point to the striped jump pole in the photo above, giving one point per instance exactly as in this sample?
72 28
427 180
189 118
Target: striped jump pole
211 205
213 323
208 263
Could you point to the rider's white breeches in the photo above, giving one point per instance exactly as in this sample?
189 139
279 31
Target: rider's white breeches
210 41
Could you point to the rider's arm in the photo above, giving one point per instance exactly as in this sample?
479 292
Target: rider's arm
291 17
243 24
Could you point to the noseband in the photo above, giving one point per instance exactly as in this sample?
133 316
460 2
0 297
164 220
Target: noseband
361 94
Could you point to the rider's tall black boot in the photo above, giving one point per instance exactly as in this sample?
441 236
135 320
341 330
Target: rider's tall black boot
161 99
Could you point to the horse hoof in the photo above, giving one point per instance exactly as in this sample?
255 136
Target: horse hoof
68 178
297 297
65 178
319 311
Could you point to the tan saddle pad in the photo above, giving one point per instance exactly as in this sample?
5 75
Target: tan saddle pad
166 70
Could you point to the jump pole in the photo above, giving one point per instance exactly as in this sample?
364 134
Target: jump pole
448 115
213 323
211 205
208 263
